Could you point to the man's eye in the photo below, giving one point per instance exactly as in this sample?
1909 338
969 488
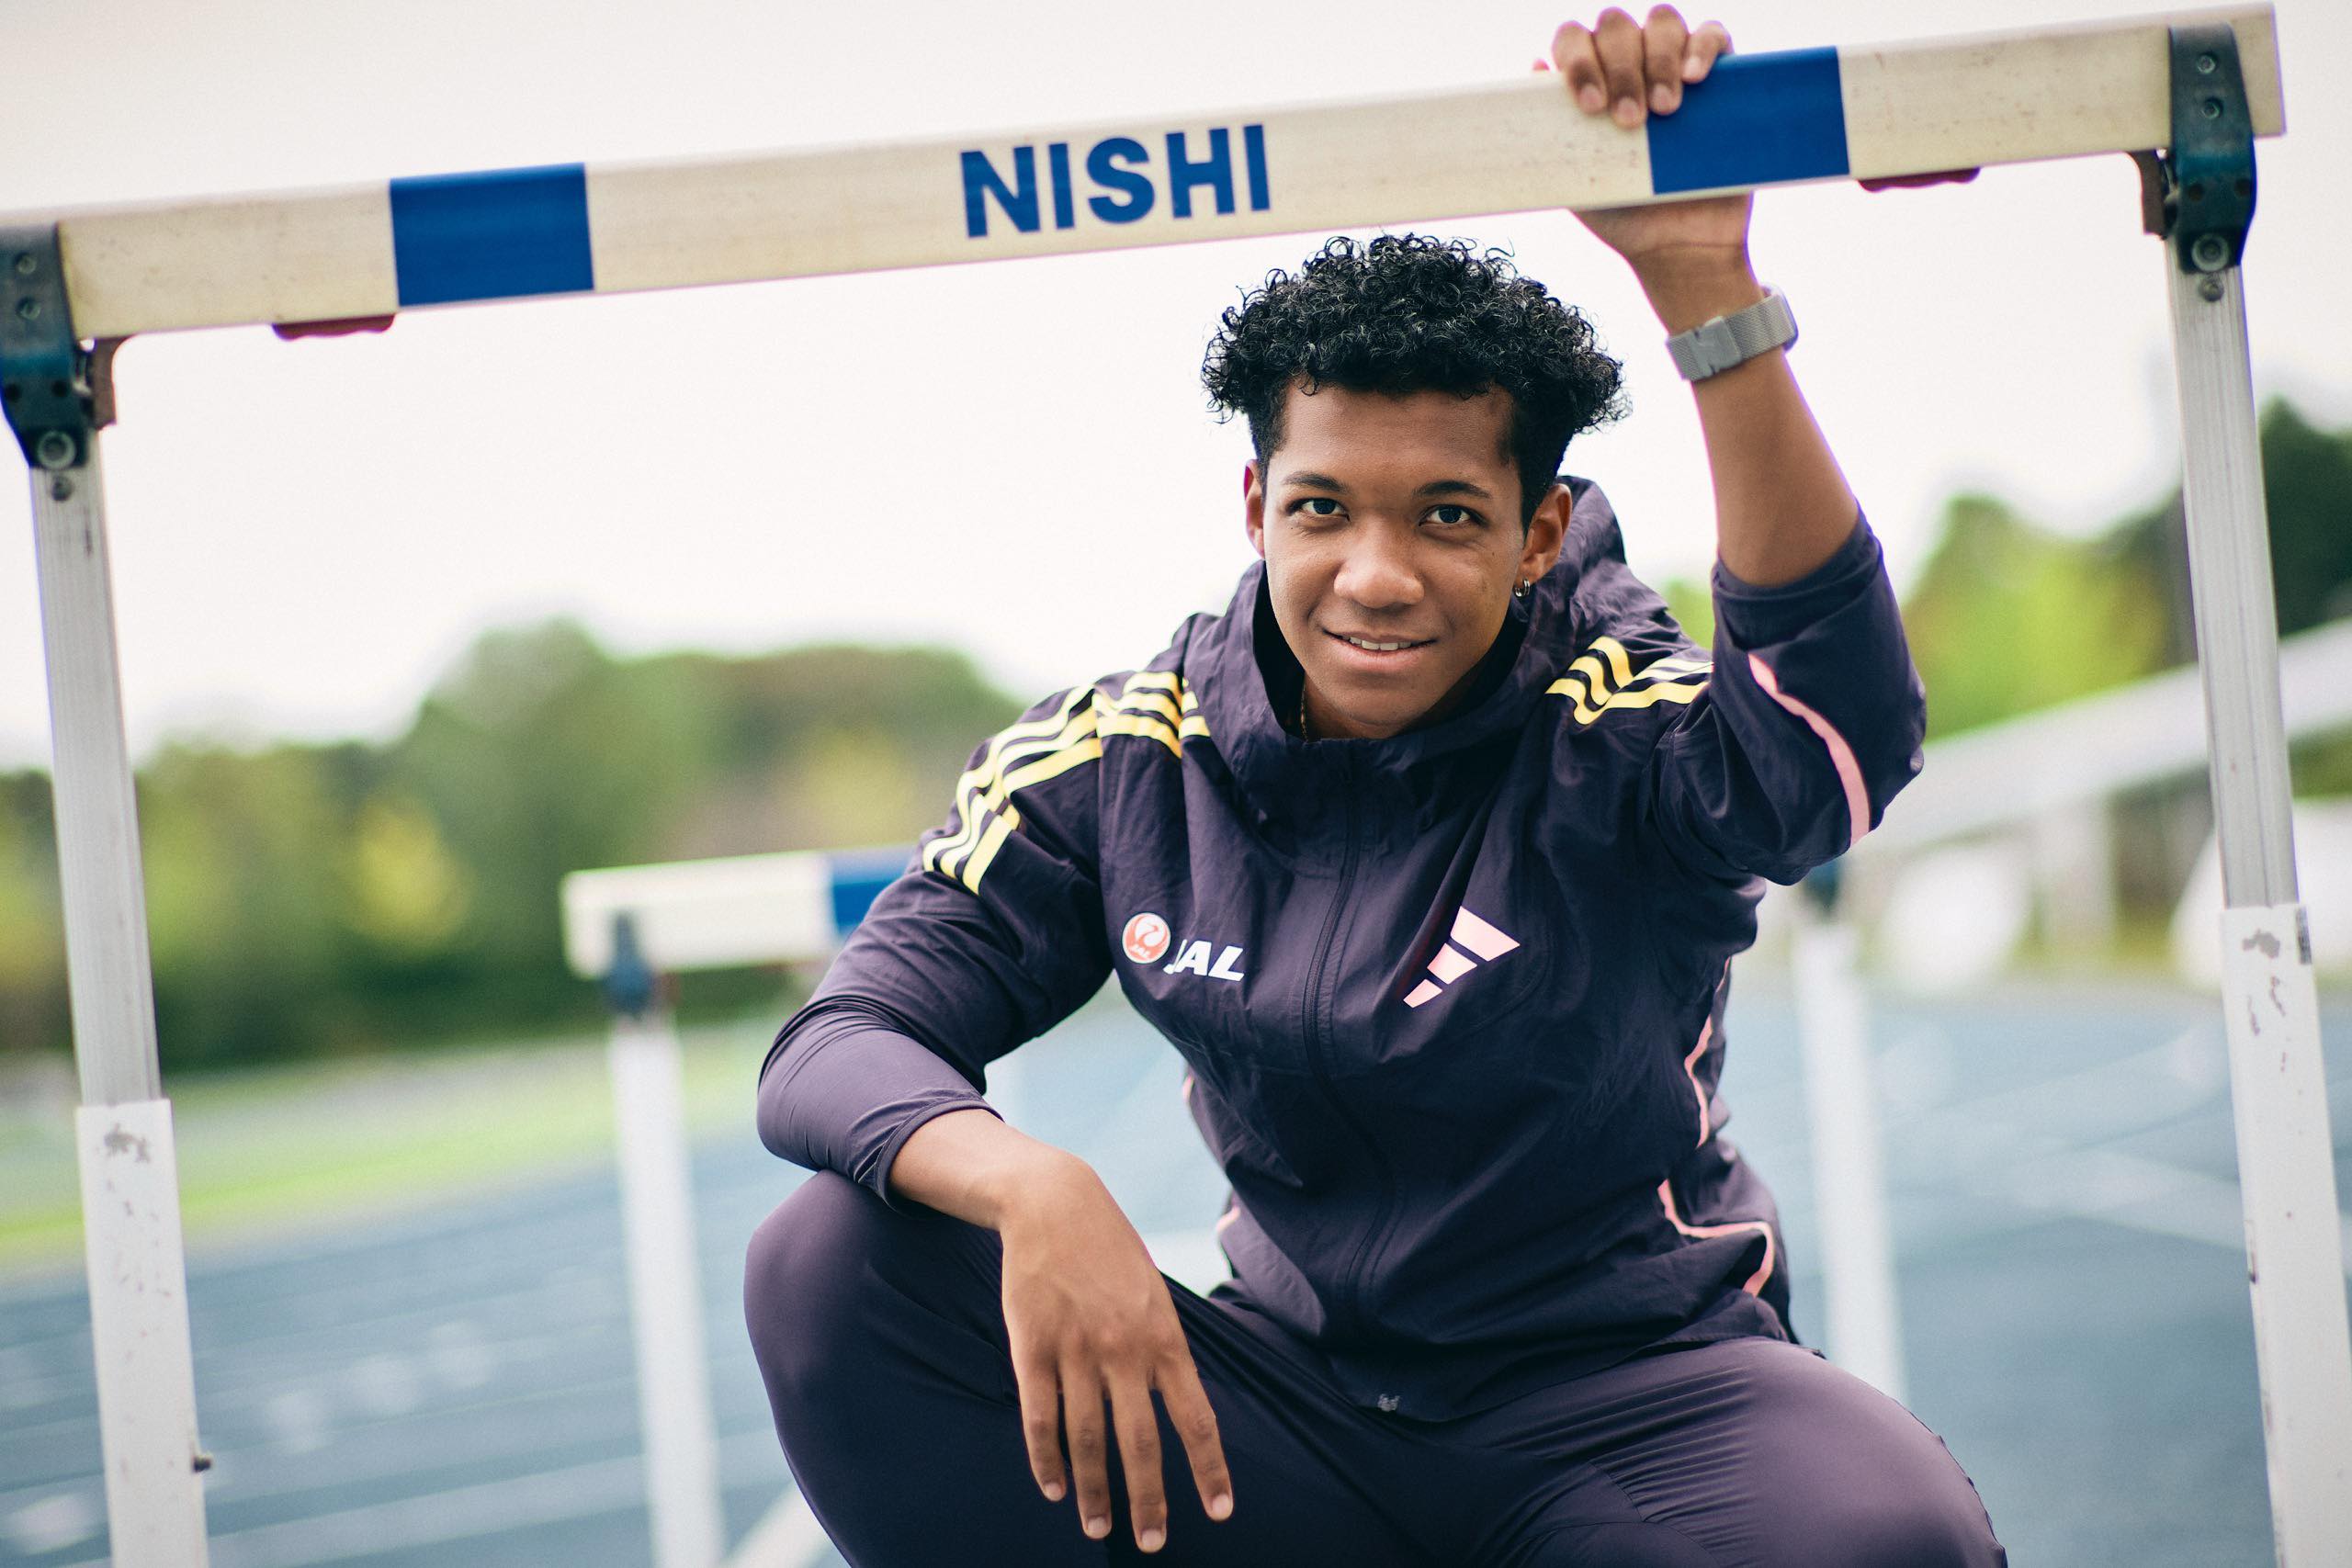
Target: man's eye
1316 506
1452 514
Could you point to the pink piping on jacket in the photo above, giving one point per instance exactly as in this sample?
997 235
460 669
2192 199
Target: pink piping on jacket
1842 755
1691 1070
1691 1063
1756 1280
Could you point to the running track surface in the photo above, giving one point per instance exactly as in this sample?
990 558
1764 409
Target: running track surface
454 1386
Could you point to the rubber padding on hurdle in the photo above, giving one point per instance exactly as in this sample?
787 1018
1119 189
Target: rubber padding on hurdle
1757 118
492 235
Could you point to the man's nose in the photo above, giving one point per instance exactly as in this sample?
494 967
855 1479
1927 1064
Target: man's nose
1378 572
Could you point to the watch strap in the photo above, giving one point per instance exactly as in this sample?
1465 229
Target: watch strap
1717 345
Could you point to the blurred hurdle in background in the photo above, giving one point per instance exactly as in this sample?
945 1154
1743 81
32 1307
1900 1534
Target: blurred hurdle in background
629 927
2198 87
2041 786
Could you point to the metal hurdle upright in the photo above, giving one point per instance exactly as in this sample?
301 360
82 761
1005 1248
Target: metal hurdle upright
2188 92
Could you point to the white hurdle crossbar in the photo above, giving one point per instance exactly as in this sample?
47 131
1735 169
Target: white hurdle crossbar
1769 118
91 276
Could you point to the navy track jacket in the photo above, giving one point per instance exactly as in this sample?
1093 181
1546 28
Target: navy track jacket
1452 1000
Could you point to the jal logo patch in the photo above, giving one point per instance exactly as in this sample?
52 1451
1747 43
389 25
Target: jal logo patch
1145 939
1194 959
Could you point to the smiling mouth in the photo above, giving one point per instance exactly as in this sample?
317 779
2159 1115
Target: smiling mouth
1382 645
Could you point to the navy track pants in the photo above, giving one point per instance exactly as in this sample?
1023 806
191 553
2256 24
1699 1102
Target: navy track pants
881 1337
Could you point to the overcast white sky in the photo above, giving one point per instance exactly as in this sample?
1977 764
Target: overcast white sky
1013 459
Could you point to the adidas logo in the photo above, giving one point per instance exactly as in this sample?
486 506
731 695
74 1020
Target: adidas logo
1455 957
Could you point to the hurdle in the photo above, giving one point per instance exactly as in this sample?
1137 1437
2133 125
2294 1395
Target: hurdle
2011 779
632 929
2185 94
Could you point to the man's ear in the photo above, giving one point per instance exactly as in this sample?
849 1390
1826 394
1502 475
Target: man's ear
1253 507
1546 532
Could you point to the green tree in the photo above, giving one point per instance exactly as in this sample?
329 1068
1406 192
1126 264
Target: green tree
2006 618
351 896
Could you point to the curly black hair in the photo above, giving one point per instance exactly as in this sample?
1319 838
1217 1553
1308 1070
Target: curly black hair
1409 313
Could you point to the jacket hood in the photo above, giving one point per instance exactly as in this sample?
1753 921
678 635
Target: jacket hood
1244 675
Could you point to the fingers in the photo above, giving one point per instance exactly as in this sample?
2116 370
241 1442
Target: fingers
1082 1418
1572 52
1139 1452
1195 1424
1041 1426
1635 69
1708 44
1619 38
1662 40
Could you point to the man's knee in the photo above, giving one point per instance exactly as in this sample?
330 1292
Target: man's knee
837 1284
1867 1484
807 1270
1942 1527
1621 1545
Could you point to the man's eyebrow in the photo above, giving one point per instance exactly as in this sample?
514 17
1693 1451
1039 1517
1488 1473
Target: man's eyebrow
1435 487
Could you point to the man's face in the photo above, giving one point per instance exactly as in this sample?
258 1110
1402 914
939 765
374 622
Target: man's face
1393 521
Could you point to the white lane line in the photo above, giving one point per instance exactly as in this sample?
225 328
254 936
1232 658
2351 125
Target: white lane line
467 1513
2185 1073
64 1517
2045 1173
789 1537
232 1388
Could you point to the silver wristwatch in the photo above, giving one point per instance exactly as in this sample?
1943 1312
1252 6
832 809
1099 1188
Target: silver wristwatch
1712 347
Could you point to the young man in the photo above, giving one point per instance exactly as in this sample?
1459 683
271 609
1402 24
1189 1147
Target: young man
1431 855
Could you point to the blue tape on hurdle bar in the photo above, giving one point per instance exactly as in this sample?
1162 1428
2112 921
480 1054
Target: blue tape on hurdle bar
1756 120
492 235
858 879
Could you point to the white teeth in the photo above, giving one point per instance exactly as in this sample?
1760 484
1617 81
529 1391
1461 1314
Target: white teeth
1377 647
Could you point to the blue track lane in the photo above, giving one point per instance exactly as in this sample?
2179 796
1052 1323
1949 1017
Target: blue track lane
453 1387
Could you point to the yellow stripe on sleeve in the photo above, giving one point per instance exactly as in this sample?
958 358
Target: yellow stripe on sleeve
1146 701
980 791
1084 749
1145 725
973 801
990 841
1599 680
992 798
1611 650
1155 704
1588 711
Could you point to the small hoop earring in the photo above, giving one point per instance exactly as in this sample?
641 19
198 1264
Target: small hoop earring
1520 592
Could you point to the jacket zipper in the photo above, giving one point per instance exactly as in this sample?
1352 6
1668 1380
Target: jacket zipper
1349 1287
